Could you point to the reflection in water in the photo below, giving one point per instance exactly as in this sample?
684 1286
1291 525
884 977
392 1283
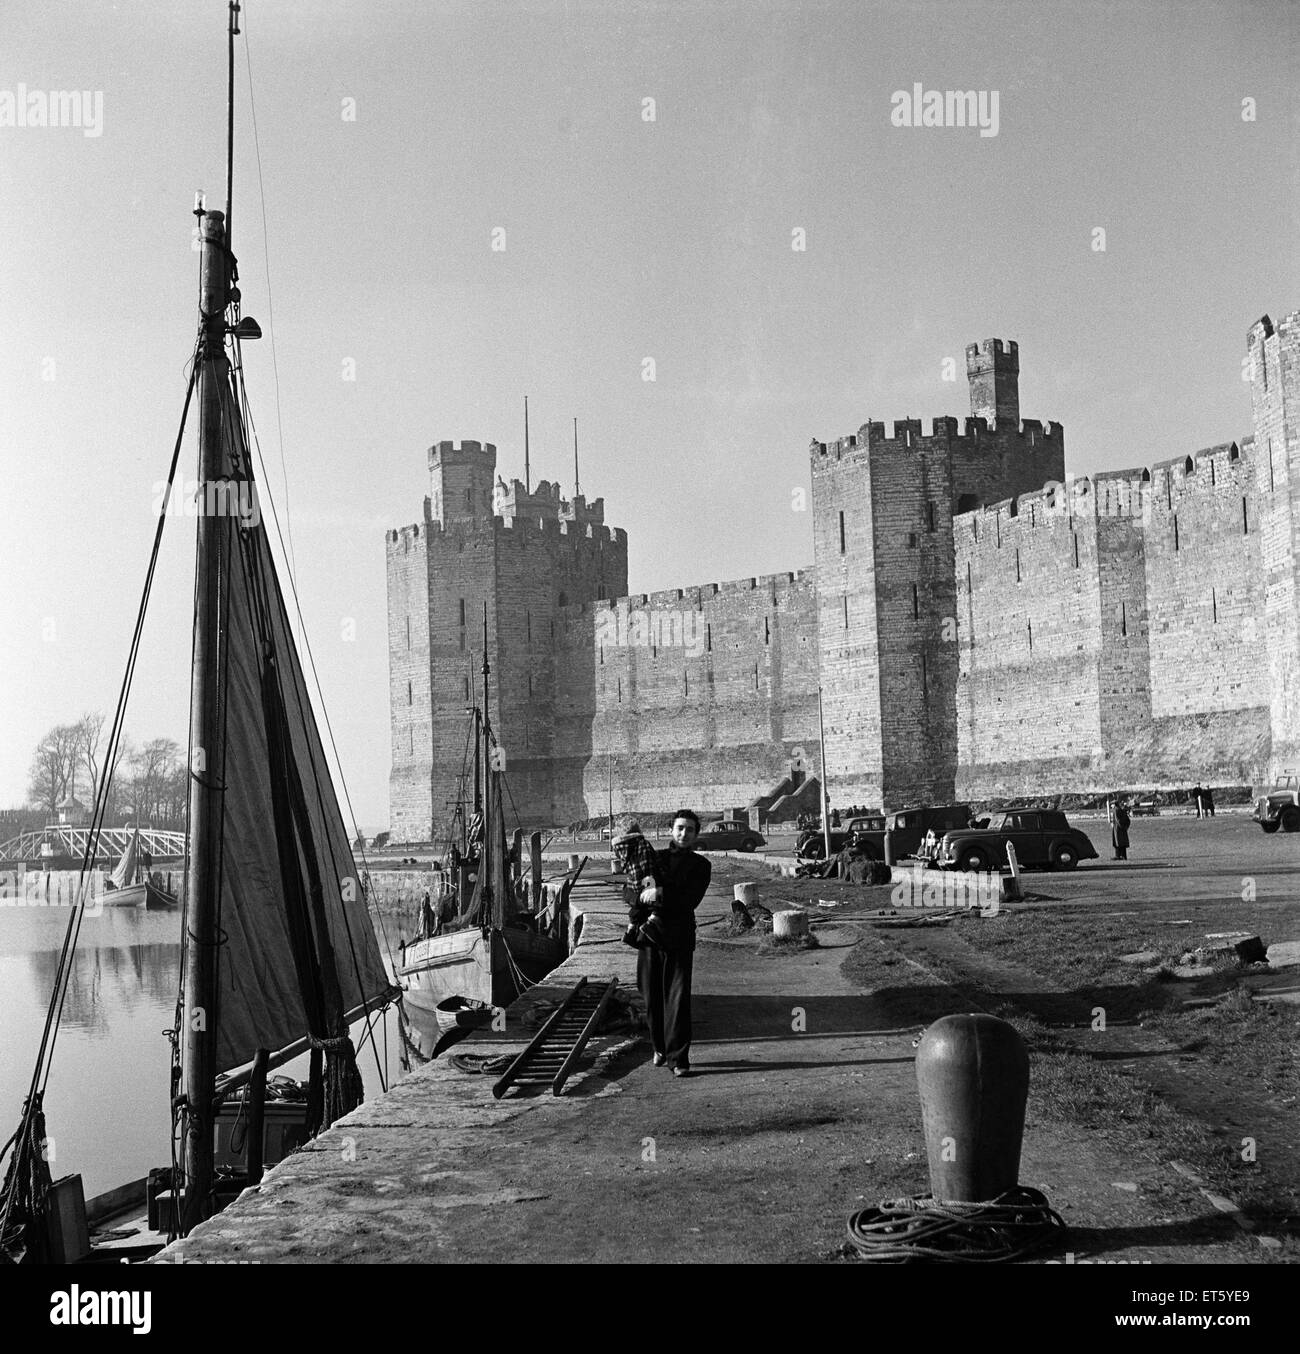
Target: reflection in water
107 1103
108 981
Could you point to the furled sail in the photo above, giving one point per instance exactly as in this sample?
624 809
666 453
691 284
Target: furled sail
296 947
492 902
124 874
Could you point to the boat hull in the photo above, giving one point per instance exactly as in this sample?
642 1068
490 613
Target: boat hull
143 894
478 965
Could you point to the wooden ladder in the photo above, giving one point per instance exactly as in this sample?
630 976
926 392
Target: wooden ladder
556 1047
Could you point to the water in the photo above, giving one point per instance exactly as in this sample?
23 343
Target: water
106 1105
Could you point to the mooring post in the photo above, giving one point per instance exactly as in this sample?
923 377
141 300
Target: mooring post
972 1072
535 865
254 1153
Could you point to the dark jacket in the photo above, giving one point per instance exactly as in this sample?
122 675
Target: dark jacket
686 878
1119 833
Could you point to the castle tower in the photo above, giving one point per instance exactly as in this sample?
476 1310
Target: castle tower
527 559
994 375
887 592
1274 355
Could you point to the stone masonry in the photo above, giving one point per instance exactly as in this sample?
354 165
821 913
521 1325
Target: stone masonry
981 624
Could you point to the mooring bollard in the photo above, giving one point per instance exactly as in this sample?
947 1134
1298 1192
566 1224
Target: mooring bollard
789 925
745 894
972 1072
574 862
889 848
1011 887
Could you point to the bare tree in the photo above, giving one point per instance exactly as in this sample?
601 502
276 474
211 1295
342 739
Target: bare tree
54 768
152 771
176 792
91 754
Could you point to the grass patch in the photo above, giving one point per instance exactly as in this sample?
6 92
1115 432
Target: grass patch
1238 1032
770 944
1067 1085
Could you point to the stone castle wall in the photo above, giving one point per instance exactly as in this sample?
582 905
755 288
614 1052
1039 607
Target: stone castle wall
980 625
697 695
1109 632
1274 358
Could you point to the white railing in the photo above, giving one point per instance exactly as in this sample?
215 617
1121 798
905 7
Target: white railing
71 841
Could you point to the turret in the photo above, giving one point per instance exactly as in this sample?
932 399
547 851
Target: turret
461 480
993 370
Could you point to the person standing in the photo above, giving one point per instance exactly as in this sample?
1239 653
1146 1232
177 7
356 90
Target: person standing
664 968
1119 832
1197 796
1207 801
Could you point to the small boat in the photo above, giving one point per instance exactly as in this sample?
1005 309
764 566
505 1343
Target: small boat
132 885
462 1013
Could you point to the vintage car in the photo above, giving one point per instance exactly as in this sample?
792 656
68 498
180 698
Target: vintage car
1279 807
907 830
729 834
811 844
1042 838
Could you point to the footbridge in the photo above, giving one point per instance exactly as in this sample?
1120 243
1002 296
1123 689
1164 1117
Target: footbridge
57 840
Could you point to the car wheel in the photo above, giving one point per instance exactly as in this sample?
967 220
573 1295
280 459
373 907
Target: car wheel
1291 819
1270 827
1064 856
972 858
749 844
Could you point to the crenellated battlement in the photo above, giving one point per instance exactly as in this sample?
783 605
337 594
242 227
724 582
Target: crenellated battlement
699 596
909 436
988 351
466 451
575 535
1138 492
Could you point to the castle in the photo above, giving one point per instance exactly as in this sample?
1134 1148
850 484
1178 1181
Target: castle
980 625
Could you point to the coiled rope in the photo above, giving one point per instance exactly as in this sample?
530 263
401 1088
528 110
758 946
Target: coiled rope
478 1062
1013 1225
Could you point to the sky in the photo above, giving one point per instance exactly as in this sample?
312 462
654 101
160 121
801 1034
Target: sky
648 168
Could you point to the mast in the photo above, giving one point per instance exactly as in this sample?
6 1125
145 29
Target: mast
826 800
527 482
478 775
576 489
207 740
485 858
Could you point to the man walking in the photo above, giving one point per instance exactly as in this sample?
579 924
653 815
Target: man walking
1119 831
664 966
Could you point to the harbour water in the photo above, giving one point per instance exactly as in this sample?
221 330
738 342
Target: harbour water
106 1103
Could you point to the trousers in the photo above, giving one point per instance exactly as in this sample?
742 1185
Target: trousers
664 977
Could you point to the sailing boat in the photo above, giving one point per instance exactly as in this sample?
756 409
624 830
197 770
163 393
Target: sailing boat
130 884
490 949
279 953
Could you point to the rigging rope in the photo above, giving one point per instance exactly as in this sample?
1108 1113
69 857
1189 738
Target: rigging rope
27 1138
1013 1225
